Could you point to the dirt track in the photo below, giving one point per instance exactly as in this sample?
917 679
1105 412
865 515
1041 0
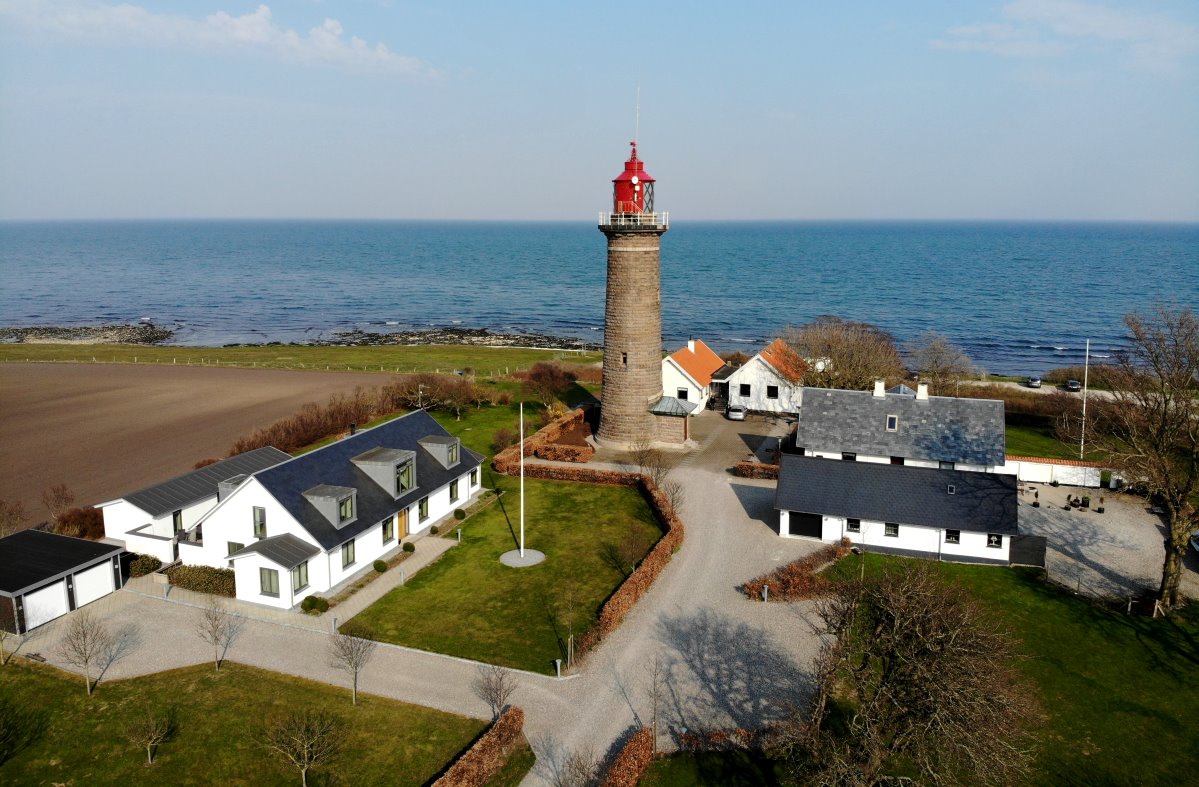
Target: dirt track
105 430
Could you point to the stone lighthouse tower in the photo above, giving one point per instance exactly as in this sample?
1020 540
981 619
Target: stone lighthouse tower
633 309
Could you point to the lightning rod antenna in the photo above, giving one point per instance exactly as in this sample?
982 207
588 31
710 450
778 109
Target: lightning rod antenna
637 116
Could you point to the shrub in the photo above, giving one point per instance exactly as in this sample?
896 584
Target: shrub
504 437
633 760
309 603
315 605
798 579
756 470
81 523
409 547
144 564
459 514
380 566
204 579
434 530
205 463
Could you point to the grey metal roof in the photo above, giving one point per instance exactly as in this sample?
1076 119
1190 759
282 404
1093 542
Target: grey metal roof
182 491
669 405
33 557
901 389
438 439
329 491
285 550
333 465
723 373
383 456
940 428
983 502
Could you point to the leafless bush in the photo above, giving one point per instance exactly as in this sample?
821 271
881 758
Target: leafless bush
547 381
12 515
650 461
941 364
349 652
305 738
55 499
81 523
844 354
151 730
580 768
494 685
205 463
217 626
84 643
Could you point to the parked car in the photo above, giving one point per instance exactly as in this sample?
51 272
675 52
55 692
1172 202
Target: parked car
1195 542
1033 382
735 413
1073 386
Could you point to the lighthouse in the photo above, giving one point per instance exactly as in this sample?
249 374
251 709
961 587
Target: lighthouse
632 309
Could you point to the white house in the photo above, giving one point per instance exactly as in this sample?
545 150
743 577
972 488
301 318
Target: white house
770 381
150 520
687 373
960 516
305 526
902 428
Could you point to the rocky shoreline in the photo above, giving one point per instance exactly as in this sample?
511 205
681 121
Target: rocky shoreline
141 333
476 337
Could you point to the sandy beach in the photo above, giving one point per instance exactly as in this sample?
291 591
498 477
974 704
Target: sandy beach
105 430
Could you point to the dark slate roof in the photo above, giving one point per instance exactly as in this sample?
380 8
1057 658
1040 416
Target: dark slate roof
284 550
983 502
193 487
669 405
723 373
940 428
32 557
333 465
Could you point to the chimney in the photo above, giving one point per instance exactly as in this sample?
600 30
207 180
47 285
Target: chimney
880 389
691 345
353 428
922 392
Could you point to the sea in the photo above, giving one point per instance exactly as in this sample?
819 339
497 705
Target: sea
1019 298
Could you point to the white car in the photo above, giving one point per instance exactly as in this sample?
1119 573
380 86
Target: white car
735 413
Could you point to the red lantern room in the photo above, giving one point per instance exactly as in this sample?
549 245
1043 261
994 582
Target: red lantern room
633 189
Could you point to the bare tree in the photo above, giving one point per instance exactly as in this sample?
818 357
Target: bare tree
85 642
56 499
150 730
939 363
633 545
1150 426
306 739
459 395
4 635
674 494
923 677
494 685
217 626
841 354
580 768
349 652
547 381
12 515
656 690
650 461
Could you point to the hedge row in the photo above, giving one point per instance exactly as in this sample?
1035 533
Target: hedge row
508 460
556 452
720 740
204 579
630 765
142 565
487 756
798 579
756 470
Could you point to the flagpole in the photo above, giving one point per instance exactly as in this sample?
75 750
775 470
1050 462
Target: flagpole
522 479
1086 369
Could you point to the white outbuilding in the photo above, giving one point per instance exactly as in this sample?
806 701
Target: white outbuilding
44 576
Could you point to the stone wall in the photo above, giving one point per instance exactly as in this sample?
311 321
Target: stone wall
670 429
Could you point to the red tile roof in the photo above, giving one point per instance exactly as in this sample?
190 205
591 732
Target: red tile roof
784 360
700 364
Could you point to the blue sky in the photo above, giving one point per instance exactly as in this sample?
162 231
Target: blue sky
1029 109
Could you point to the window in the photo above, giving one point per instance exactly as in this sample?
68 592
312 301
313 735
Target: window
682 394
891 529
945 465
422 509
177 521
892 423
347 554
952 489
994 541
897 460
299 577
953 536
345 509
454 490
404 474
268 579
234 547
451 454
772 392
474 477
744 389
849 456
259 522
853 525
624 359
389 530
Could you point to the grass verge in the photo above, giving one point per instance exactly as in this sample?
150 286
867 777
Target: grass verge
221 721
468 604
1041 441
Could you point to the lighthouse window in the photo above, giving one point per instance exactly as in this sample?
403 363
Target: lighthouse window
624 359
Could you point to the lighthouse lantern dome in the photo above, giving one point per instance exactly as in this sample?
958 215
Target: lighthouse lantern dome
633 189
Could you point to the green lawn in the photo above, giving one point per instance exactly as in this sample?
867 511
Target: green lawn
1040 441
714 769
486 361
221 719
468 604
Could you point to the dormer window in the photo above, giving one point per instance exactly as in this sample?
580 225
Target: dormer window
445 449
452 454
345 510
393 469
337 504
892 423
405 477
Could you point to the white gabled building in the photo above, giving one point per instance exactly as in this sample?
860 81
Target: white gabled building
687 373
769 382
305 526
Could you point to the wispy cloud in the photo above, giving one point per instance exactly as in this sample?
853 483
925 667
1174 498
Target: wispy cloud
257 31
1052 28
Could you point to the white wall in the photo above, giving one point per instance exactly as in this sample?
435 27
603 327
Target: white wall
907 461
759 374
143 542
249 584
913 537
233 520
1045 472
673 378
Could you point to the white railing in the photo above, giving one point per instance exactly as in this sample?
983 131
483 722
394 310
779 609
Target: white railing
634 219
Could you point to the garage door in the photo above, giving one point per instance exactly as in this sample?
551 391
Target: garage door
811 525
92 584
46 604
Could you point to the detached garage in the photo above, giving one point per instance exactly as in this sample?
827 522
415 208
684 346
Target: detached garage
44 576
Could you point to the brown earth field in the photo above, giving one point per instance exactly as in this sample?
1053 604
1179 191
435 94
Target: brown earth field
106 430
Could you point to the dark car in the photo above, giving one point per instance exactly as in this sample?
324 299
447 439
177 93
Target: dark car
1073 386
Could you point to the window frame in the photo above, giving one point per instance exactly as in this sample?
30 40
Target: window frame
453 453
998 537
230 546
474 477
853 525
681 394
454 491
849 456
298 573
349 551
892 423
265 574
945 465
389 529
422 509
177 522
744 390
772 392
891 529
953 536
258 518
407 466
342 516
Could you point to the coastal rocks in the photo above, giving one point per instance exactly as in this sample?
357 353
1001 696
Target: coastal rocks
479 337
142 333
